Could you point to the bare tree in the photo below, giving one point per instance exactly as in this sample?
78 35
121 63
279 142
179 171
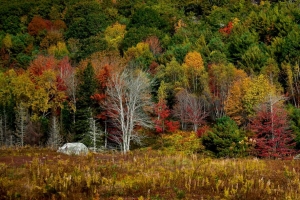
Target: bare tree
21 123
180 108
2 141
95 133
128 97
55 139
191 109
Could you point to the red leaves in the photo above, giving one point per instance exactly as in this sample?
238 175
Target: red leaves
161 123
103 76
38 24
41 64
227 29
272 136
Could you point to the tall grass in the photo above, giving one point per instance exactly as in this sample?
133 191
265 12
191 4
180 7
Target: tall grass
144 175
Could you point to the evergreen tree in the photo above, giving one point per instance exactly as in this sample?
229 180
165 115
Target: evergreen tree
87 88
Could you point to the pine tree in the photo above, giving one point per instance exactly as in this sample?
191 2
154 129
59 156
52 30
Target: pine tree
86 89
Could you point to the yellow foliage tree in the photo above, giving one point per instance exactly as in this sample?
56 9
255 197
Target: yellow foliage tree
245 94
194 69
258 90
234 106
59 50
23 90
114 35
141 49
7 42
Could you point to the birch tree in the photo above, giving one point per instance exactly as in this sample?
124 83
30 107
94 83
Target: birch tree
128 97
95 134
55 139
21 123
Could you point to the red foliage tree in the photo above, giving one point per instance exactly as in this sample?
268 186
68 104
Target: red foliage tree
38 24
162 124
41 64
272 135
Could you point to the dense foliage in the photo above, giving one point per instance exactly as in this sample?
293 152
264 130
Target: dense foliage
208 63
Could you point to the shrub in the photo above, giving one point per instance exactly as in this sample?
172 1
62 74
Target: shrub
187 142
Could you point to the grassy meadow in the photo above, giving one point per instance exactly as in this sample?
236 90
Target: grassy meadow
35 173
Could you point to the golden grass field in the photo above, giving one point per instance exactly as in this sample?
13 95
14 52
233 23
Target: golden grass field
36 173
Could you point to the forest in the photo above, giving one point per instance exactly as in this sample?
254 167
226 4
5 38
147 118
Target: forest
215 76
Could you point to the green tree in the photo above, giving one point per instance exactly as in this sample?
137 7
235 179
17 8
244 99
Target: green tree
225 139
86 88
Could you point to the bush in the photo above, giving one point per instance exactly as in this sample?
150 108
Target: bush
187 142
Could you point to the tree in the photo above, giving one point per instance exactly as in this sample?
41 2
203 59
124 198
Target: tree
293 83
162 124
225 139
191 109
272 134
21 123
194 72
94 134
55 140
221 77
234 105
114 35
86 89
245 94
128 97
38 24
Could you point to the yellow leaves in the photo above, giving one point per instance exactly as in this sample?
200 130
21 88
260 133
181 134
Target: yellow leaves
7 41
235 21
23 89
245 94
259 88
162 95
193 71
139 50
47 95
194 60
59 50
114 35
234 106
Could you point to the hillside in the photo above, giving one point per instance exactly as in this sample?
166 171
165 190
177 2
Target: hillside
123 74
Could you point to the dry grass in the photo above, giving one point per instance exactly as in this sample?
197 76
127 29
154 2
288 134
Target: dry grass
32 173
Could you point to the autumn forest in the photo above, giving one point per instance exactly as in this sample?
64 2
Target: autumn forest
215 76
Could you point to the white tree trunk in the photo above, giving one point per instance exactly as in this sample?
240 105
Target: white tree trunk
55 140
95 134
128 97
21 123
